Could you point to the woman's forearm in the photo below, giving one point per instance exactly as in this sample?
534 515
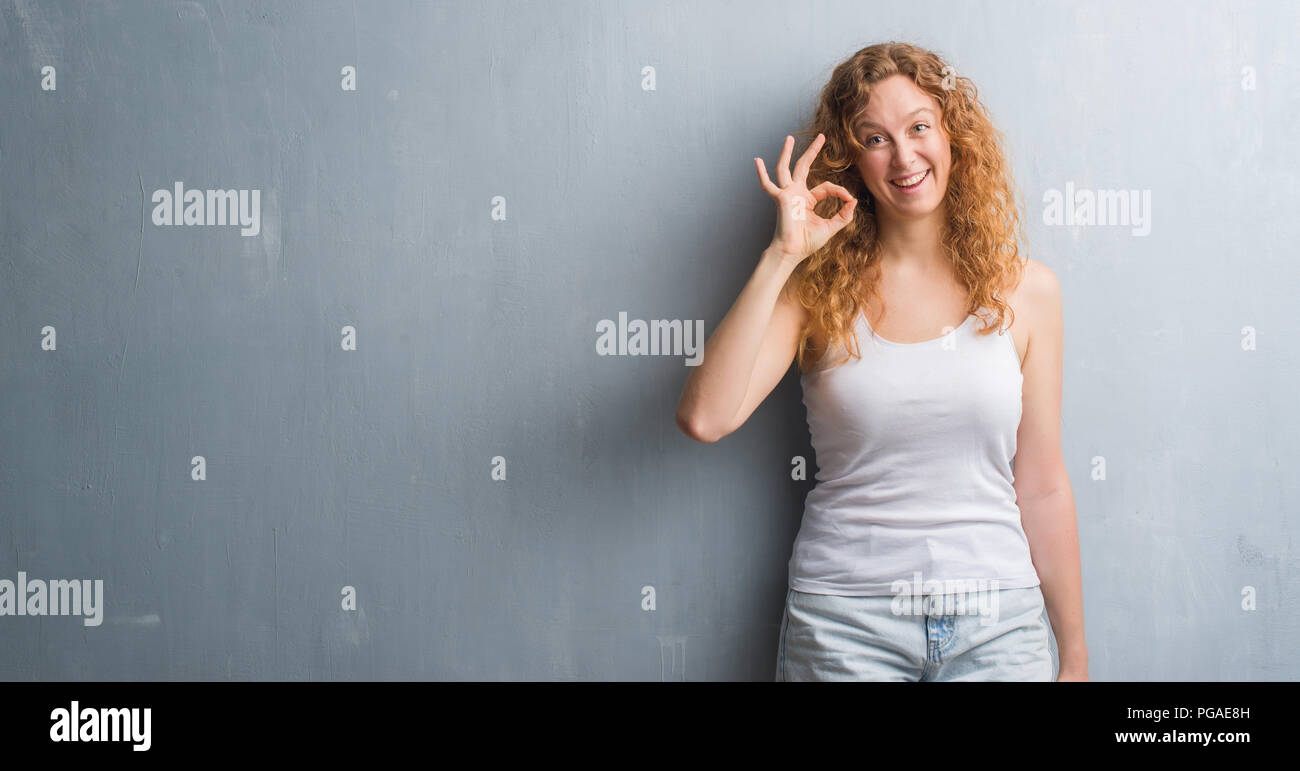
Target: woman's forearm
1052 530
715 390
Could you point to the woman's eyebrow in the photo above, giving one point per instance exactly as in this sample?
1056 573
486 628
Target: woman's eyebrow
867 123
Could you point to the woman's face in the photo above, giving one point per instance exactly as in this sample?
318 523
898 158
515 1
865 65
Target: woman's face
904 137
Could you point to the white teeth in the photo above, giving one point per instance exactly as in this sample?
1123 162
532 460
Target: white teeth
911 180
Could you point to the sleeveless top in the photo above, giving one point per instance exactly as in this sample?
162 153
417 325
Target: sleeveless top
914 444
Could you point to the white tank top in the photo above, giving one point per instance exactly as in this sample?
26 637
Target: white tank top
914 445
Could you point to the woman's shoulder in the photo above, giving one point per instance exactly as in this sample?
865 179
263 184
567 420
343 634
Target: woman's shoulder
1034 283
1038 290
1035 301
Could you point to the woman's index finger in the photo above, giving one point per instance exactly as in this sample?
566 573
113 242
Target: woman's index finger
802 168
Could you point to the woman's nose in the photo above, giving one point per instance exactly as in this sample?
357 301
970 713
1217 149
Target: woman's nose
903 158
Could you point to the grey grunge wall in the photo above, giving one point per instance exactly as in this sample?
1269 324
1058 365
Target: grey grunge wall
343 340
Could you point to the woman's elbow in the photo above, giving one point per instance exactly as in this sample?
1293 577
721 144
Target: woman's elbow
696 429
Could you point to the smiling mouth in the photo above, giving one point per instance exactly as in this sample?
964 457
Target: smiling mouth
917 180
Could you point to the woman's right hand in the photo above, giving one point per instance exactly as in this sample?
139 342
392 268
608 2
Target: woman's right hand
799 230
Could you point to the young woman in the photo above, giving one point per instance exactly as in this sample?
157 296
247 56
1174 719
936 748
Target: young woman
930 360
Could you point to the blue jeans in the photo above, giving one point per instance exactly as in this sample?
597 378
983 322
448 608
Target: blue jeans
1000 636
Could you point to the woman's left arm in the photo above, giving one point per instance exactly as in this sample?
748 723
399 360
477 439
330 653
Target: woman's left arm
1042 485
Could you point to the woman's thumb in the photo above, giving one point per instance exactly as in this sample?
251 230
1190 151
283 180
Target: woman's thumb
845 214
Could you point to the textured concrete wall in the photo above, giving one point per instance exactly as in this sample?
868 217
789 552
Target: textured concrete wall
392 373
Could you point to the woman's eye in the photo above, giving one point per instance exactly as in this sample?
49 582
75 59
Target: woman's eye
868 143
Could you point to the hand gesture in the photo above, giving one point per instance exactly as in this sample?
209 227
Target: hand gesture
799 230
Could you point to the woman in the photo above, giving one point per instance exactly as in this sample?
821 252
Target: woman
920 555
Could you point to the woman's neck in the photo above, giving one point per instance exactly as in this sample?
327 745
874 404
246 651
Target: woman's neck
912 245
